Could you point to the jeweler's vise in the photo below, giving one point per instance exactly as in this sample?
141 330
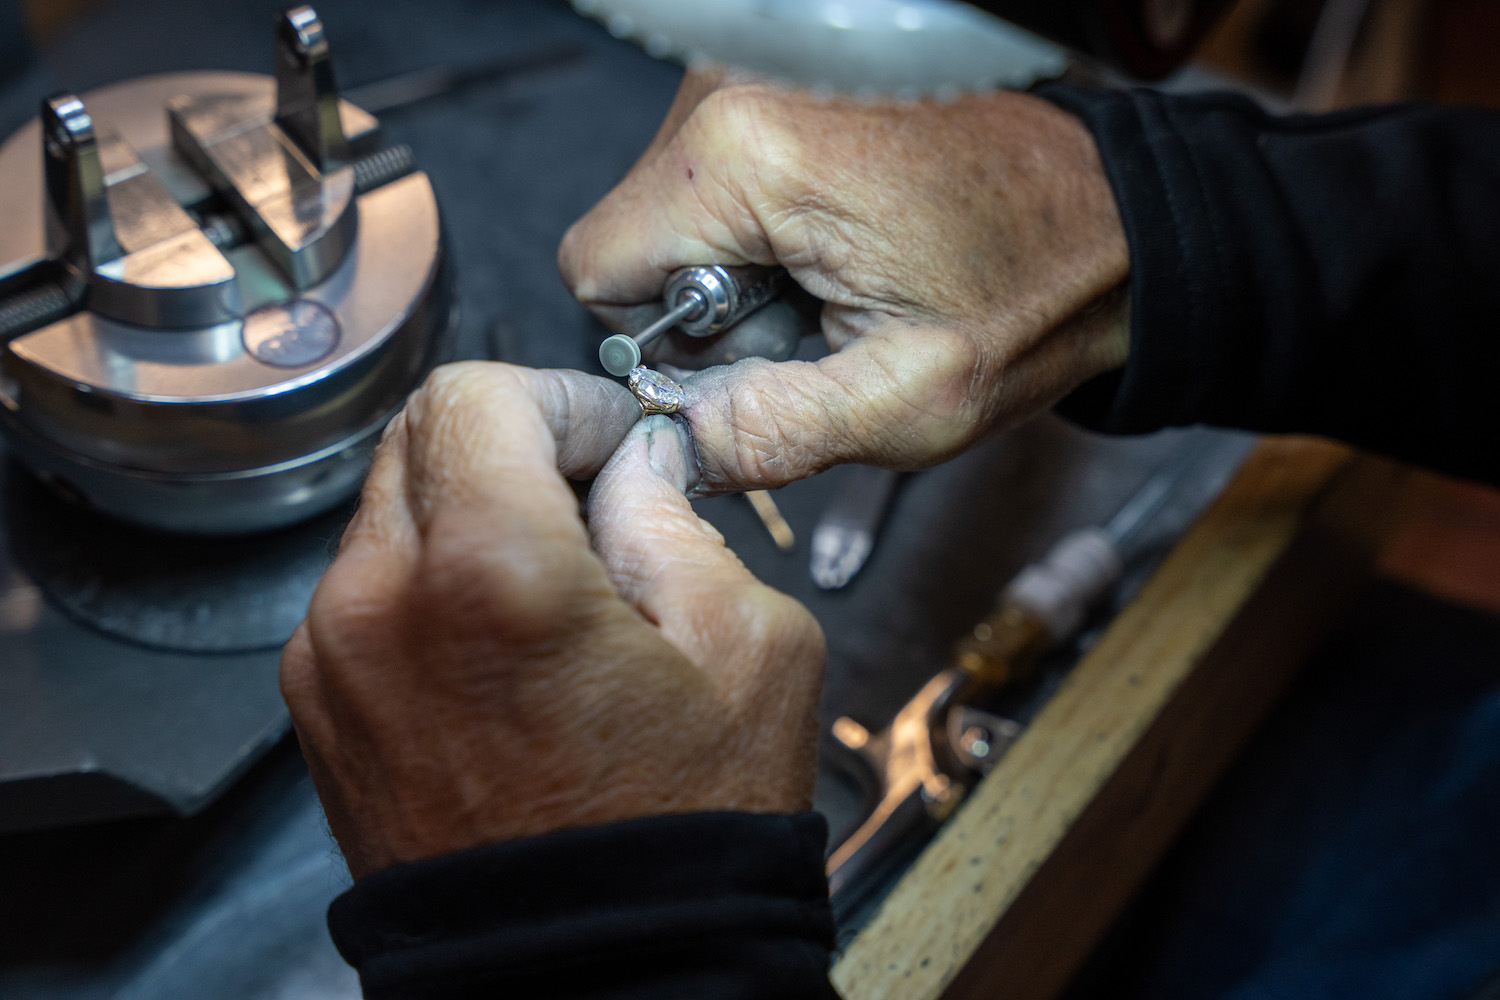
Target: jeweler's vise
215 290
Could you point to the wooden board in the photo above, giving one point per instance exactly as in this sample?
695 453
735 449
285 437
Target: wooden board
1017 889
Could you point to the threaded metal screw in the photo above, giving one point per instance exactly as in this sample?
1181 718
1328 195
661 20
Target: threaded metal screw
383 166
33 308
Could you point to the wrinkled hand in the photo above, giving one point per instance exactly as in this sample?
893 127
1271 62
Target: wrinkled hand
474 667
969 256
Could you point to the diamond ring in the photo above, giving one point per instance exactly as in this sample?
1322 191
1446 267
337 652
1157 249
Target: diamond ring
655 392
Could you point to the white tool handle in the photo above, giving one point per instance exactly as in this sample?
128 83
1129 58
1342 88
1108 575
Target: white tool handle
1060 588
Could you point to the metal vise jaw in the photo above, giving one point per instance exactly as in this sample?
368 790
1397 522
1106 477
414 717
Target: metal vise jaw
215 290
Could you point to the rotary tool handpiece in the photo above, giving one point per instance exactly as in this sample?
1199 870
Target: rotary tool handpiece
700 301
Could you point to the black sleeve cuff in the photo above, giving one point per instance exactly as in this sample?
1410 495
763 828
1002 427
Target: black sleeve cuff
1329 274
704 905
1175 283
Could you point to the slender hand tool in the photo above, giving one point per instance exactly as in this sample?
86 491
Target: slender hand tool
845 534
700 301
770 516
938 746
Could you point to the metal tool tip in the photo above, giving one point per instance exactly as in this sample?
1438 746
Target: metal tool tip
838 554
619 354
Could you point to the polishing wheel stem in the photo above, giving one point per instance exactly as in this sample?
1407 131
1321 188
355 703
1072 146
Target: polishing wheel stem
622 352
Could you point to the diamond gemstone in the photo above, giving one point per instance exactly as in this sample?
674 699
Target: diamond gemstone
657 393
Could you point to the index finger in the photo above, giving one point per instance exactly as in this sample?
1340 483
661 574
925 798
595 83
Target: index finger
683 203
494 440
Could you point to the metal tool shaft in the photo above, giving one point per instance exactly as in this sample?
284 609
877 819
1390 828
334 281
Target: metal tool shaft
703 300
622 352
691 303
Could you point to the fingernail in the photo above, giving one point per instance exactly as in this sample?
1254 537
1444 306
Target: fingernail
667 450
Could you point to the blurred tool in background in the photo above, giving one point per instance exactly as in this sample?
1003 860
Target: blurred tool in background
770 515
849 526
918 769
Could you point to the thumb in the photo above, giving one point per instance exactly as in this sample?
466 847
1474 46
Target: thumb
760 651
675 569
902 393
901 398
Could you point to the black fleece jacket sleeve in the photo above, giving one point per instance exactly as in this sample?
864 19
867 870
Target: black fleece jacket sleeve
707 906
1334 275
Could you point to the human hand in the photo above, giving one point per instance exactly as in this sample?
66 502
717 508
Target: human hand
474 668
969 255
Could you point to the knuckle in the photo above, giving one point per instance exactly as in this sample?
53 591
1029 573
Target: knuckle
775 628
453 386
394 434
779 652
746 124
570 255
951 404
732 110
531 587
349 611
298 670
453 406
